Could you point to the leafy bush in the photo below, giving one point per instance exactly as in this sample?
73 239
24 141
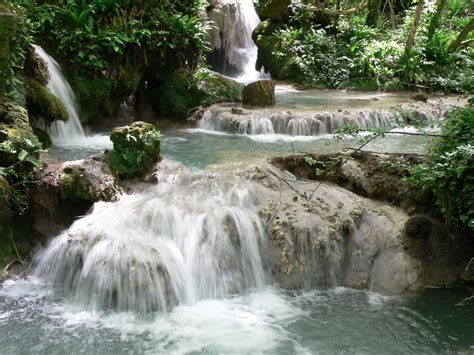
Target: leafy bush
449 172
346 52
102 34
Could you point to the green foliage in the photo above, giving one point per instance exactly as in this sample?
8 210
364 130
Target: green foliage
18 175
94 95
348 53
20 42
97 35
449 171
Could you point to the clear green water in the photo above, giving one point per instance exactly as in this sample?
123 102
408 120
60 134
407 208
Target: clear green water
270 321
199 149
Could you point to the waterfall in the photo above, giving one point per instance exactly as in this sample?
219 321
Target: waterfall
194 237
234 52
62 133
298 123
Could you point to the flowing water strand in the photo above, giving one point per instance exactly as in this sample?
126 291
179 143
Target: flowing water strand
173 244
236 20
62 133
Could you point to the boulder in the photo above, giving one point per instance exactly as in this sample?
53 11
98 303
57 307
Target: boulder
136 149
419 96
259 93
68 190
182 91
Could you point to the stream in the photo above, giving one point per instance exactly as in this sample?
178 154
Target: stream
185 267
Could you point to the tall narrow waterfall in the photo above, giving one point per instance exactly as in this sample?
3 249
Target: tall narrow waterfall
62 133
176 243
234 52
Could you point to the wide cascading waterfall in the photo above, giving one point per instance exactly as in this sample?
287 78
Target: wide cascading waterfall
176 243
62 133
291 123
234 52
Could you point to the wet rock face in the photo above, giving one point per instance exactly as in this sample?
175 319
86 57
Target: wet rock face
334 238
35 67
136 149
259 94
377 245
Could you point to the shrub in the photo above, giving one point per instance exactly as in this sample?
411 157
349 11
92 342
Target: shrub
449 171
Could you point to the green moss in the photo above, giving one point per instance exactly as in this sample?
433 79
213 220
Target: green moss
40 101
218 88
74 184
136 148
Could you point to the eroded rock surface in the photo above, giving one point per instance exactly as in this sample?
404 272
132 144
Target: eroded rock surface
67 191
334 238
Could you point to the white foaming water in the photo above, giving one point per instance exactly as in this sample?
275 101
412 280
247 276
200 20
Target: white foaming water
236 20
62 133
193 238
291 123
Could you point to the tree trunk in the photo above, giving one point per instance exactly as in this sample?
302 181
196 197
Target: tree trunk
414 27
373 14
462 36
435 19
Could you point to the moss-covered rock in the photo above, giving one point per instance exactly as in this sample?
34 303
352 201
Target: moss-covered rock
14 115
41 102
74 183
136 149
17 142
218 88
183 90
17 139
68 190
259 93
